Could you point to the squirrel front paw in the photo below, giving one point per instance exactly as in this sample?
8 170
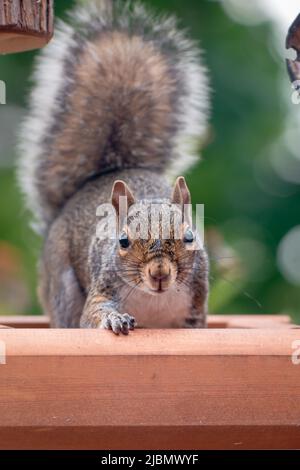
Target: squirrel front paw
118 322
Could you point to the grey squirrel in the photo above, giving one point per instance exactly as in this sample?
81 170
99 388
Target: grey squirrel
120 97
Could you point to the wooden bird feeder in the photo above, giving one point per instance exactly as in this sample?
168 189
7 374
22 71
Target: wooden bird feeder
25 24
231 386
235 385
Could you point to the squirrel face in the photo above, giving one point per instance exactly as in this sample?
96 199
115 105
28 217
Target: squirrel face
156 246
155 265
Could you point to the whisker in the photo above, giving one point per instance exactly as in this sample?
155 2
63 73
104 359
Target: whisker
243 292
123 299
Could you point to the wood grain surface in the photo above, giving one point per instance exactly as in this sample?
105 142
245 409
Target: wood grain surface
25 24
158 389
214 321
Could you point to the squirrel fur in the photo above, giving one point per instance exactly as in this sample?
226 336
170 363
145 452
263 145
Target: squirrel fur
120 99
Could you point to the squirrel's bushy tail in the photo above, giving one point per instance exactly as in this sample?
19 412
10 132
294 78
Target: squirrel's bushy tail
116 88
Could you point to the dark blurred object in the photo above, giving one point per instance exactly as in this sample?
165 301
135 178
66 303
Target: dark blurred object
293 41
14 295
25 25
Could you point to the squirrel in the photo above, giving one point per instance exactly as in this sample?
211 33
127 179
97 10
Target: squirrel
120 98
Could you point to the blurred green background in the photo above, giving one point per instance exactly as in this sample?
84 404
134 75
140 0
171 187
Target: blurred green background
249 177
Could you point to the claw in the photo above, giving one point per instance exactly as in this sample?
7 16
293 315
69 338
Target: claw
131 321
119 323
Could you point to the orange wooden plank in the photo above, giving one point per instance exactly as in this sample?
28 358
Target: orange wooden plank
25 321
176 389
214 321
250 321
174 342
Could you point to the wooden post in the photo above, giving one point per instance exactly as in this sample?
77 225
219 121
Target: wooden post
25 24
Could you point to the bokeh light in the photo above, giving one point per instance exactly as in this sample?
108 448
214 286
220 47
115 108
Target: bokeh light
288 256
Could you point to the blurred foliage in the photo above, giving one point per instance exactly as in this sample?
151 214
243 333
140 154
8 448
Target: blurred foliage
245 219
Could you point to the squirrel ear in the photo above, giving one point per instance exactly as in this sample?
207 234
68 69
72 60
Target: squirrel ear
119 189
181 194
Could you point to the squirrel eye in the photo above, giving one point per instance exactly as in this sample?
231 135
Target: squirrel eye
124 240
188 236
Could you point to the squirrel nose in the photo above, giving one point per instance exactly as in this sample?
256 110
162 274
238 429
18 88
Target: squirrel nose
159 275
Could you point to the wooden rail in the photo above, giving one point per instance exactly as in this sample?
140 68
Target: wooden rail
215 321
221 388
